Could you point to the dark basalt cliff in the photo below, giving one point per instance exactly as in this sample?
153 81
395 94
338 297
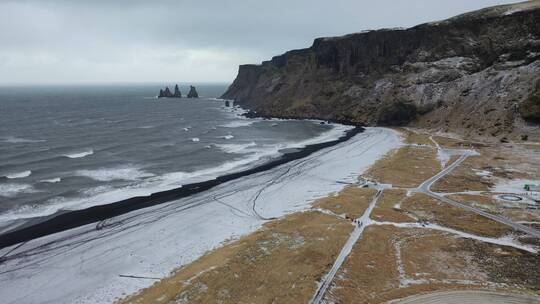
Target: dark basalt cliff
469 74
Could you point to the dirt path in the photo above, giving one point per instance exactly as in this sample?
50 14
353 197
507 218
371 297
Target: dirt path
361 223
424 187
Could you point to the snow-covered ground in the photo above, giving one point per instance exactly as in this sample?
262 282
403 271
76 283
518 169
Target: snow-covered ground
516 187
504 241
85 265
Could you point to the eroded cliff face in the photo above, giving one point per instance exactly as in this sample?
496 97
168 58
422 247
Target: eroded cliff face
468 74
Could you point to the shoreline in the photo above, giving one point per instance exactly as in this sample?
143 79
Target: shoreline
231 268
154 241
62 221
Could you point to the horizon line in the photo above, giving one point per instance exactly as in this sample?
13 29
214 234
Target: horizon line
180 83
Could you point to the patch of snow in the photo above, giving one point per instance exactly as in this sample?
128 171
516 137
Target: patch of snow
482 173
512 11
83 265
515 186
504 241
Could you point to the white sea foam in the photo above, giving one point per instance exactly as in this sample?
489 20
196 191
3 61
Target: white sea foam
195 139
19 174
12 190
238 124
236 148
52 180
110 174
227 137
224 213
80 154
18 140
145 183
332 134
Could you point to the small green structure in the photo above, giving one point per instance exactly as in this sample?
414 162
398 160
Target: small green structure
531 187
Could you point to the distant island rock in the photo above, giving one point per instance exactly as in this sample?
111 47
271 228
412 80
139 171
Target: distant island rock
177 94
193 92
168 94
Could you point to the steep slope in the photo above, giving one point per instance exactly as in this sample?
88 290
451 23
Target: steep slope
467 74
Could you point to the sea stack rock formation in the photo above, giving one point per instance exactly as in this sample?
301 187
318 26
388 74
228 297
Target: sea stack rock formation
177 93
193 92
476 74
167 93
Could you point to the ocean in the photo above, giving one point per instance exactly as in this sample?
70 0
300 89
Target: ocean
72 147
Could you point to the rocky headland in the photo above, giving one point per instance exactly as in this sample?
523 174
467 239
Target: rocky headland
477 74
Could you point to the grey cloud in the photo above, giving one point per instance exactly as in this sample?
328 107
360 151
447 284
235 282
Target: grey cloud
76 40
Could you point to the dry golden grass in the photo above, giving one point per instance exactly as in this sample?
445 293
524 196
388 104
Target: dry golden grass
454 143
370 268
370 274
515 211
435 255
463 178
280 263
414 137
385 210
483 202
427 208
351 201
406 167
502 161
429 261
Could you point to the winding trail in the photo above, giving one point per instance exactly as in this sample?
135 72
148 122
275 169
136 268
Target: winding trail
425 187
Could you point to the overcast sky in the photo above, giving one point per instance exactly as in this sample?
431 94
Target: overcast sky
122 41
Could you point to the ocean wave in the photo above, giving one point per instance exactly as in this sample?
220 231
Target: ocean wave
236 148
12 190
19 174
80 154
145 183
227 136
51 181
110 174
18 140
238 124
195 139
247 148
334 133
